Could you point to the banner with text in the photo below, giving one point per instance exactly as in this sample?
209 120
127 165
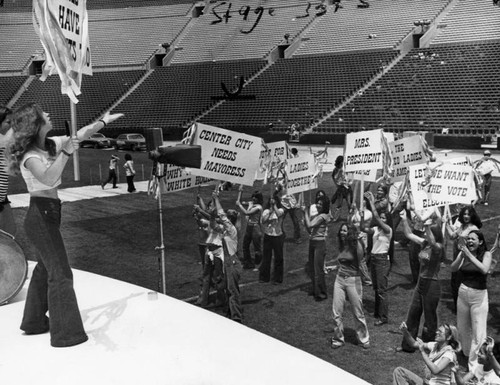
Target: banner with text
363 150
276 152
227 155
62 26
300 172
406 152
448 184
177 178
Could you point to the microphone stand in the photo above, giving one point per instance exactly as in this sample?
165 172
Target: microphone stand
157 173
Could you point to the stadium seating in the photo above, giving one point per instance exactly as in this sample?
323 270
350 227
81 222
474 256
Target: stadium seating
171 95
381 26
449 89
205 41
98 93
455 87
298 90
469 21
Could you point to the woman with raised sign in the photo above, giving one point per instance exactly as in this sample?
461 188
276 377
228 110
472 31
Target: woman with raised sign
41 161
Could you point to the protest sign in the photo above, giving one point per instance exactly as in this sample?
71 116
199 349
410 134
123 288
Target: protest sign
461 160
300 172
363 151
275 153
226 155
366 175
448 184
176 178
62 26
453 183
406 152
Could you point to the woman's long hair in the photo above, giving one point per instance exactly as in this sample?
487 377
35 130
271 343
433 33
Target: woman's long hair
451 335
474 218
351 242
26 123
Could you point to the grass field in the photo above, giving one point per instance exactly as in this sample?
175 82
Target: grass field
116 237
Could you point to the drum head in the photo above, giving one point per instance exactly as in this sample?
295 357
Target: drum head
13 268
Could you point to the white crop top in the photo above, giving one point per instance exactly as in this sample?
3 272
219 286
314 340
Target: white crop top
32 183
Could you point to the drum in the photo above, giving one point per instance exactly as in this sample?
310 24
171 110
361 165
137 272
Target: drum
13 268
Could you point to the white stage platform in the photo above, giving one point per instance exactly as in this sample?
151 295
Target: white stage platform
142 337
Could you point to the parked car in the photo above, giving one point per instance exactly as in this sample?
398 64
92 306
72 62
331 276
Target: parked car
132 142
96 141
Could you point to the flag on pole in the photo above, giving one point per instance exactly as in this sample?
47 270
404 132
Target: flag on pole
189 134
62 27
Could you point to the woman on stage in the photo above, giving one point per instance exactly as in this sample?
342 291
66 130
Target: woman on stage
41 161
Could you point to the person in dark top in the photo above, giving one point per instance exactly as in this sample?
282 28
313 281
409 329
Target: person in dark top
473 263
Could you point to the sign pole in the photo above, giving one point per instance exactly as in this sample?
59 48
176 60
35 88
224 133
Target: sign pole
76 157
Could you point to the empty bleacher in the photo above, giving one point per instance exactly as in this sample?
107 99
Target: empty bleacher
298 90
381 26
172 95
9 87
98 93
456 88
204 41
469 21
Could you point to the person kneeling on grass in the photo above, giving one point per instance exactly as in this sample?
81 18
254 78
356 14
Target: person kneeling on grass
487 369
439 357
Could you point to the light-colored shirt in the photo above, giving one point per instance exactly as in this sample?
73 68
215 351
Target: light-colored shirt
443 377
288 201
32 183
272 222
129 168
381 241
485 378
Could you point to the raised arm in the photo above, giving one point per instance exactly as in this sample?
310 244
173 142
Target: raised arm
87 131
407 231
384 226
